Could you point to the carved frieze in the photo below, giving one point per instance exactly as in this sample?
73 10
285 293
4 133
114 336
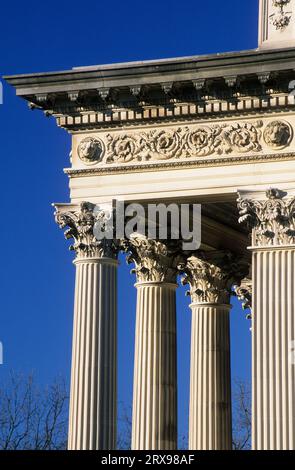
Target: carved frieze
184 142
271 220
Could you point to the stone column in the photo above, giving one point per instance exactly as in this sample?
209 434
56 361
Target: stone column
93 394
154 421
210 420
271 221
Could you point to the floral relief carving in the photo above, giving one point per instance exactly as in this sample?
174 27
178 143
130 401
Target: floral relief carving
184 142
243 138
272 220
202 141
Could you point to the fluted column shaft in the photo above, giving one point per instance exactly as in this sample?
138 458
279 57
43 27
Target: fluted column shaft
273 330
93 397
271 222
210 425
211 276
155 370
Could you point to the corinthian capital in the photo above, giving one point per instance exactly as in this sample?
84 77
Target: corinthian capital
271 220
211 276
155 261
79 222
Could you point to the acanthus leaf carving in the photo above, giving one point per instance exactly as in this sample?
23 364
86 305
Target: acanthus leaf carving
271 220
80 224
185 142
154 260
211 276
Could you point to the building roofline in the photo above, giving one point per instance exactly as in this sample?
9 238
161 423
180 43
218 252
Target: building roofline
154 71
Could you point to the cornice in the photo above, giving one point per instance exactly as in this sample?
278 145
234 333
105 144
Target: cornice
203 66
228 80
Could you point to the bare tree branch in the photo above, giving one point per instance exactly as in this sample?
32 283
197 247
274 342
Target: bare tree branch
31 418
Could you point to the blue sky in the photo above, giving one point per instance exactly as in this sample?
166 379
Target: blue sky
37 276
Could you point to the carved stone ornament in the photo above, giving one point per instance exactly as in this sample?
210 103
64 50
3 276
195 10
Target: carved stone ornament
80 224
211 276
90 150
244 293
282 18
272 221
184 142
155 261
278 134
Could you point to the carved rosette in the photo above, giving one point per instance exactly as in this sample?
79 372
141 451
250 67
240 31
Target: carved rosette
272 220
155 261
212 276
202 141
80 224
123 148
242 138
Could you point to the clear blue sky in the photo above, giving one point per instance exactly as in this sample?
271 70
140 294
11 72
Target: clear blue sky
37 276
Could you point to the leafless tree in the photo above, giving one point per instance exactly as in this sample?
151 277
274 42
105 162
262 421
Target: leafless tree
124 427
36 418
30 417
241 415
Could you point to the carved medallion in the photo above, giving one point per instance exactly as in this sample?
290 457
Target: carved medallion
278 134
90 150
